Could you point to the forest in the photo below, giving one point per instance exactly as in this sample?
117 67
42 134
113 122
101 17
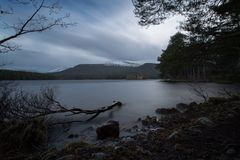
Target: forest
186 60
208 47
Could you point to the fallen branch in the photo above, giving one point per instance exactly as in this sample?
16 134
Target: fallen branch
75 111
19 105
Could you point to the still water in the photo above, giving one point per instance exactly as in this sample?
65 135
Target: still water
140 97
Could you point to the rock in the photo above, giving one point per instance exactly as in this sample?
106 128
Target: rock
67 157
231 151
99 155
119 148
141 150
127 139
182 107
73 136
167 111
6 120
229 115
149 121
195 130
224 157
135 127
108 130
128 130
205 121
173 135
178 147
140 137
156 129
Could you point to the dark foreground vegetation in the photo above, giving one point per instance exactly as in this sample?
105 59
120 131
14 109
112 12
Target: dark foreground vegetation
208 130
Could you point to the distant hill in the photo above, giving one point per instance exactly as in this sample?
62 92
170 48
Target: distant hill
23 75
102 71
87 71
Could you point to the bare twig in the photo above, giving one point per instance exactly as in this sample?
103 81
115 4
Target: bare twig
199 91
38 21
229 94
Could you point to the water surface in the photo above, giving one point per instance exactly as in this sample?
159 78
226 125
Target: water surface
140 98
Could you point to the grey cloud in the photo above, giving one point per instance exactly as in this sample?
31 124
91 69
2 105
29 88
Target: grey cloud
112 38
118 47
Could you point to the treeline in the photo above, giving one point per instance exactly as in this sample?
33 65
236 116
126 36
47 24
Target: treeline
209 49
21 75
192 60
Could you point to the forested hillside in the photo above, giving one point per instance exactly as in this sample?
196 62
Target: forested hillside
88 71
102 71
22 75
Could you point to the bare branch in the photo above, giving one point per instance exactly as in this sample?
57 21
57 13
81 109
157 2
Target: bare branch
20 32
5 11
229 93
58 108
8 48
38 21
199 91
24 106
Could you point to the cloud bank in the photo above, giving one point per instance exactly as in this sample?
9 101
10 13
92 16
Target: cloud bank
107 31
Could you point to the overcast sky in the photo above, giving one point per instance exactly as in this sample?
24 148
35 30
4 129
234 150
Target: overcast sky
106 32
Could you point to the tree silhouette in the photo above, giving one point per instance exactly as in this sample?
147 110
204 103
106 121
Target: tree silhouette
212 28
46 15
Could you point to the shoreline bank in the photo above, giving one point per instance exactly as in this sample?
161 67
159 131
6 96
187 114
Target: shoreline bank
208 130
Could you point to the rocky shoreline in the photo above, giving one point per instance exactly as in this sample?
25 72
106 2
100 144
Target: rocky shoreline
205 131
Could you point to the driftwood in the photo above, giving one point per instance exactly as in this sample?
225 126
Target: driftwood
74 111
19 105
